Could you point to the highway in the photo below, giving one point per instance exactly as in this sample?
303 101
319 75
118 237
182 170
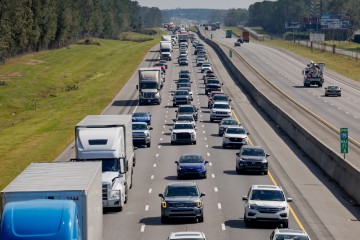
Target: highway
285 71
319 206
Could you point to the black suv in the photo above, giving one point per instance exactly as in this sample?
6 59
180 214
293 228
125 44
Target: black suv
188 109
182 200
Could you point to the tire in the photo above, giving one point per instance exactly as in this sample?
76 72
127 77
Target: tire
211 120
132 179
164 219
194 142
238 170
266 173
246 222
126 193
148 145
119 209
172 143
285 224
223 146
174 105
201 219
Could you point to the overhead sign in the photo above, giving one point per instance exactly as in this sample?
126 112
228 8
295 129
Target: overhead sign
317 37
344 139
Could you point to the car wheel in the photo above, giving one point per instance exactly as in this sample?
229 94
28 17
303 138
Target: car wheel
265 172
164 219
223 146
201 219
174 105
238 170
246 221
285 224
194 142
211 120
148 145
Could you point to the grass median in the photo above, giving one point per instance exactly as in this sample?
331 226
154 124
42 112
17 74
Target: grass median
44 95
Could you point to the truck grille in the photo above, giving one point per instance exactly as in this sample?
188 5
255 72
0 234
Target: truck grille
150 95
253 164
104 192
180 204
235 139
183 136
268 210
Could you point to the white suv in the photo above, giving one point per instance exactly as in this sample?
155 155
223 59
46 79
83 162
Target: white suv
295 234
266 203
220 110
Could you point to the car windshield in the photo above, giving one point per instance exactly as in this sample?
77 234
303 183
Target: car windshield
111 165
290 237
235 130
221 98
139 127
183 80
257 152
213 81
186 109
148 85
333 87
185 118
191 159
140 114
206 65
180 93
174 191
267 195
183 126
201 60
230 122
185 71
222 106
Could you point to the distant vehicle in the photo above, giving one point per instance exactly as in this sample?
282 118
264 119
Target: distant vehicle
150 81
183 61
161 65
228 33
200 62
182 200
235 136
188 88
191 165
252 158
164 62
183 80
313 74
266 203
141 134
184 74
165 50
212 85
206 66
238 42
246 36
187 236
333 90
225 123
142 117
287 233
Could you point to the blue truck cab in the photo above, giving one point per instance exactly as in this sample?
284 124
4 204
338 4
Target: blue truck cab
42 219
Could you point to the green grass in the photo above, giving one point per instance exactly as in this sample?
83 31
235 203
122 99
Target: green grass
47 93
351 46
236 31
341 64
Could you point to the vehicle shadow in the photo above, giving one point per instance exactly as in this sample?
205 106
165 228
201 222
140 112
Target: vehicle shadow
157 221
235 223
166 144
151 60
171 178
122 103
214 135
230 172
217 147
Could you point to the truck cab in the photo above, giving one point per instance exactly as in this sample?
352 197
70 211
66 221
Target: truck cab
40 219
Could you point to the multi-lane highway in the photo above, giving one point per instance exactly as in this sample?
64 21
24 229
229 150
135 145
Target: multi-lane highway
319 206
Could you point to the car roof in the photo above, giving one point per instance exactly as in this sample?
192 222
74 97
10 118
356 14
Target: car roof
221 102
192 154
251 147
185 235
266 187
182 184
290 231
235 127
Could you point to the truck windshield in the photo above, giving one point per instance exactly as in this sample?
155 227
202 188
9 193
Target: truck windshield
110 165
148 85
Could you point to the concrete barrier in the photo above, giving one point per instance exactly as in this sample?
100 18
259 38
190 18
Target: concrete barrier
342 172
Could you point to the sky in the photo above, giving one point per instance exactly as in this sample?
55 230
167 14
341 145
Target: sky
213 4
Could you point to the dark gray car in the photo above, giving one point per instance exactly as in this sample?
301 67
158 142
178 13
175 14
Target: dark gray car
182 200
252 158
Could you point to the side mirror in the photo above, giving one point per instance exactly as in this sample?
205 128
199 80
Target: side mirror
237 154
174 120
195 128
161 195
202 194
176 110
206 162
248 133
222 84
150 128
267 155
172 94
289 199
230 100
135 148
137 87
244 198
177 162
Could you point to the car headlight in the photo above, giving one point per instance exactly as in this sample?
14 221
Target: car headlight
253 206
173 136
115 194
163 204
199 204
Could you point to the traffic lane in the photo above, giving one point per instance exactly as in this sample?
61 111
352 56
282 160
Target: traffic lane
286 74
293 166
128 219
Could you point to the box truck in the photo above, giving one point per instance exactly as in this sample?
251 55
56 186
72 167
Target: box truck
149 85
166 49
79 183
108 138
228 33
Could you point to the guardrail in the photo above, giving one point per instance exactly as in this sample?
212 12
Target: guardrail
342 172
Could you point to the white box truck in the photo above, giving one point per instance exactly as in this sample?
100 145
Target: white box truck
108 138
149 85
77 182
165 50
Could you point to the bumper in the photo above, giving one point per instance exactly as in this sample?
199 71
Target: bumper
150 100
182 212
252 166
141 141
219 116
191 173
113 203
228 142
256 216
181 102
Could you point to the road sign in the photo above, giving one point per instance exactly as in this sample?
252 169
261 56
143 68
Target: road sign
344 139
230 53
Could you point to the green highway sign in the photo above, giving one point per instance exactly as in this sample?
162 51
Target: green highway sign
344 139
230 53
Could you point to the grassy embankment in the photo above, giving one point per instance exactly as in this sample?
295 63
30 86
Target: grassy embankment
341 64
43 96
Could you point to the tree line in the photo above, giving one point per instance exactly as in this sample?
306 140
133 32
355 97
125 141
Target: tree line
34 25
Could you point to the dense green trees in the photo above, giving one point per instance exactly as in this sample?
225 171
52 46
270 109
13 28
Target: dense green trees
32 25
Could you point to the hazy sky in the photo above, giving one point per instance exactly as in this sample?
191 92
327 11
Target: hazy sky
215 4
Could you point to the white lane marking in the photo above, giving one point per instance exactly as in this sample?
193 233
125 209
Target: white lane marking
165 116
207 146
147 207
165 120
213 175
167 111
154 165
157 155
160 139
150 190
142 228
339 108
202 125
163 126
200 115
347 112
356 117
152 177
159 146
208 154
210 164
205 139
203 131
223 227
216 189
219 205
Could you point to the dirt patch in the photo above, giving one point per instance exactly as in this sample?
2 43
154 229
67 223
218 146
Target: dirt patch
8 76
34 62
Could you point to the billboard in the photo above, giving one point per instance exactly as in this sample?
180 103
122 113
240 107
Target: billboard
334 21
317 37
292 25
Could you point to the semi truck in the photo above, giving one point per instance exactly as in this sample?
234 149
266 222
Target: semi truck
313 74
108 138
165 50
149 86
228 33
54 200
184 37
246 36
